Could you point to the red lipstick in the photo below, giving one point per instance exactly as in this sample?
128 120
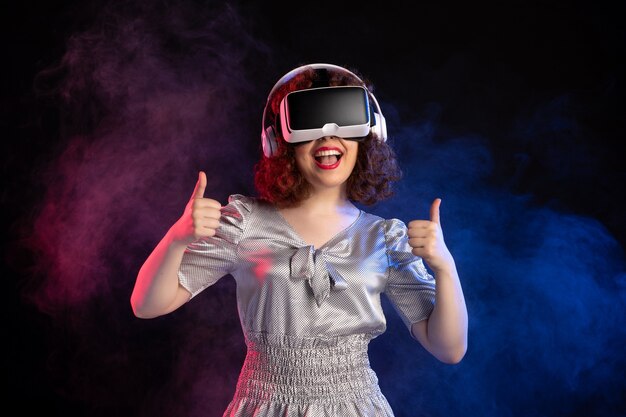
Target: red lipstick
328 148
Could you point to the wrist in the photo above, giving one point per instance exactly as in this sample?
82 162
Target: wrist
445 268
177 239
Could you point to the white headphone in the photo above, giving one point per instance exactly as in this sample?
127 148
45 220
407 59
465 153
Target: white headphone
268 133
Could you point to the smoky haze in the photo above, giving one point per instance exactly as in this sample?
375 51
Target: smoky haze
148 96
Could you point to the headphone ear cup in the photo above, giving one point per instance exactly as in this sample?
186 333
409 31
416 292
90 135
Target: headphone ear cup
268 140
380 128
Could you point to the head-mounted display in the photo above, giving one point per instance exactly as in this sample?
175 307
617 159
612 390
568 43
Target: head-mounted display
350 112
327 111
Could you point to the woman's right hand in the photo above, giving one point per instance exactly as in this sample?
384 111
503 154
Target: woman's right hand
200 218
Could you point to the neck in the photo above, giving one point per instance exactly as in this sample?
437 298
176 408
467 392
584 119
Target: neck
327 201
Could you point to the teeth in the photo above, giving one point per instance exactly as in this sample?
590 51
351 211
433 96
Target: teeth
327 153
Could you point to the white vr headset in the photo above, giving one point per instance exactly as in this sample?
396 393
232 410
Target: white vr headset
305 115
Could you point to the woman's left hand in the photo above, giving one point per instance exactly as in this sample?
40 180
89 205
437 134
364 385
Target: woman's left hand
426 239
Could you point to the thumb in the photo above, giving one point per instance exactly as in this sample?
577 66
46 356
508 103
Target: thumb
198 192
434 211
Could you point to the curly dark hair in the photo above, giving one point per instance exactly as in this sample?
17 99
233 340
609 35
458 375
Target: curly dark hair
277 178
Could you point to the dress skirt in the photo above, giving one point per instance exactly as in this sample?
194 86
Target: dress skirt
286 376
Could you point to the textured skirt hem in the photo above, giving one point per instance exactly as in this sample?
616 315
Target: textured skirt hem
376 406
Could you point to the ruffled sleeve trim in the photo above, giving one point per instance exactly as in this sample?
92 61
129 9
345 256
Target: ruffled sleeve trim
410 287
207 260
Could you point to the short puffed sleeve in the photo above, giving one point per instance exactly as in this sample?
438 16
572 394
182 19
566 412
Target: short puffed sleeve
410 288
209 259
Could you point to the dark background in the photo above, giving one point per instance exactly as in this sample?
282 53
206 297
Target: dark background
513 113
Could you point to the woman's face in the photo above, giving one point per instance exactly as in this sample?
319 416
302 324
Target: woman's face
326 162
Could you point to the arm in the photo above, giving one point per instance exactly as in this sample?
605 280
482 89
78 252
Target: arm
157 290
444 333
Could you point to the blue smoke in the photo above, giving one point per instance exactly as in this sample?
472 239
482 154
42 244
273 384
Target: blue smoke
545 290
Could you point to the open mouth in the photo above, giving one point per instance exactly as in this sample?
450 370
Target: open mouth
327 158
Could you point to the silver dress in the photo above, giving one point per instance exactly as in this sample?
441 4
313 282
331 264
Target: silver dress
308 314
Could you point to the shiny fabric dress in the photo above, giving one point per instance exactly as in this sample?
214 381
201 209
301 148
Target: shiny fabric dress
308 314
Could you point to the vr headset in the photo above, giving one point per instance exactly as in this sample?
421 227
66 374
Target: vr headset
305 115
327 111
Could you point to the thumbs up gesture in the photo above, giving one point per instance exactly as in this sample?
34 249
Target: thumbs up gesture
201 216
426 239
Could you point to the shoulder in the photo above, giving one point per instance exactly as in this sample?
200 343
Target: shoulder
389 226
240 200
392 229
395 228
247 203
238 208
244 206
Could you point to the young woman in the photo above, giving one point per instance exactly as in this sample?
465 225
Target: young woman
310 266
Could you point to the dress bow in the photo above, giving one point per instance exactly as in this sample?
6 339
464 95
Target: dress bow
310 265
